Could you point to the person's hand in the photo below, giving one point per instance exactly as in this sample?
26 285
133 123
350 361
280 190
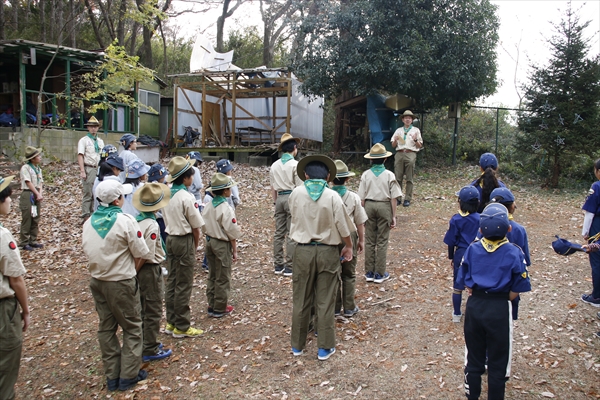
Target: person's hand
235 256
39 197
25 318
83 175
452 263
586 237
393 224
360 247
346 254
586 248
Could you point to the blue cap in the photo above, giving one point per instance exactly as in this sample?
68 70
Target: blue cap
115 161
493 221
136 169
126 140
502 195
156 172
468 194
224 166
564 247
488 160
195 155
108 150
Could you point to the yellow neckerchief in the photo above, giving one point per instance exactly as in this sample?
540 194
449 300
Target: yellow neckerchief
492 245
510 217
594 238
463 213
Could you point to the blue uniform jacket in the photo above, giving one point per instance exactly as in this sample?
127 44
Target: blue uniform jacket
592 201
461 233
518 236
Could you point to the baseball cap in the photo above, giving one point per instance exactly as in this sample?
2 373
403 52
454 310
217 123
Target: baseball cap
488 160
468 194
195 155
502 195
564 247
156 172
136 168
493 221
109 190
224 166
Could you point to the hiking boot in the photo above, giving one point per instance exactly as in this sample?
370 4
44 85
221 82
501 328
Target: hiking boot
191 332
296 352
324 354
169 329
350 313
216 314
279 269
112 384
369 276
381 278
587 298
287 271
160 354
456 318
125 384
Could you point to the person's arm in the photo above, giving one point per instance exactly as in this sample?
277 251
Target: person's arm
417 139
346 252
394 140
139 263
17 283
81 166
234 249
587 224
196 233
512 295
393 204
37 194
361 238
274 194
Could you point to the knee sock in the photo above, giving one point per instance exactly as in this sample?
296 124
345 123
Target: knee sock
456 300
515 308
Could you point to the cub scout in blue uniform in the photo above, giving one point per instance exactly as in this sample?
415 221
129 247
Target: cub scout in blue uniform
147 200
591 233
13 293
494 272
222 231
183 223
320 224
488 181
113 242
358 215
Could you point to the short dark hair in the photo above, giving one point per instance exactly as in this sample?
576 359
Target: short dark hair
105 170
218 192
289 146
378 160
133 181
340 181
597 164
469 206
7 192
316 170
186 174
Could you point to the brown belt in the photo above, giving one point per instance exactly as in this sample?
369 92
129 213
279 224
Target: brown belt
405 151
90 166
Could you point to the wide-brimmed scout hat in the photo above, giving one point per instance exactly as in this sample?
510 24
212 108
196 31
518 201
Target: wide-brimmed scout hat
177 166
342 170
329 163
493 221
151 197
488 160
109 190
564 247
92 122
220 181
31 152
4 182
408 113
378 151
286 137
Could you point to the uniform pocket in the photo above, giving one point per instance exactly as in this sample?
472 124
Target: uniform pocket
10 325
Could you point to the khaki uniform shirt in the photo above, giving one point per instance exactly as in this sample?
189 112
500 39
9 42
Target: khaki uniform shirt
325 220
181 215
151 232
409 143
284 176
112 258
28 174
10 262
379 188
86 147
354 209
220 222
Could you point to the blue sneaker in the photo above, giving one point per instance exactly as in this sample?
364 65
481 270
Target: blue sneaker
125 384
588 298
112 384
160 354
324 354
369 276
350 313
297 352
279 269
379 278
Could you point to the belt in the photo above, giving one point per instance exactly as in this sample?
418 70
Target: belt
378 201
490 295
314 244
283 192
8 298
90 166
405 151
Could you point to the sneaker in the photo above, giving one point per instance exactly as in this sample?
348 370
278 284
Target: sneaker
369 276
338 313
379 278
587 298
350 313
324 354
125 384
169 329
406 203
456 318
215 314
205 268
297 352
279 269
191 332
27 248
160 354
598 315
37 245
287 271
597 334
112 384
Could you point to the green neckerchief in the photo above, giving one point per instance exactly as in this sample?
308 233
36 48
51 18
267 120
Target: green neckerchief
286 157
315 188
95 139
341 189
218 200
150 215
406 130
35 169
378 169
176 188
104 218
492 245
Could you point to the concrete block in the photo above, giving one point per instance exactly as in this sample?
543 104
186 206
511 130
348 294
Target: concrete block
259 161
241 158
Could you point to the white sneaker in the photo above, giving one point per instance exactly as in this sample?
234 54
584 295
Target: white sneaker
456 318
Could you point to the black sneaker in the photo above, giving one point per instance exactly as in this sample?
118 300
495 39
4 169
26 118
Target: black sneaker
406 203
279 269
287 271
598 334
112 384
350 313
125 384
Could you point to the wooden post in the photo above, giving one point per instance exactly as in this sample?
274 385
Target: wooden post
274 118
202 110
174 121
233 108
288 123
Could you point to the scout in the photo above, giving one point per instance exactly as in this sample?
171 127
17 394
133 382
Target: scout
88 158
31 198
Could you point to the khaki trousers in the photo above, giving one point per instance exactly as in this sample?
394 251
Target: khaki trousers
377 233
11 344
118 304
29 224
219 257
181 262
87 204
404 165
283 220
315 282
150 281
347 289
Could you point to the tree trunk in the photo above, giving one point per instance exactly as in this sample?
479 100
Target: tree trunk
555 170
42 20
71 24
60 22
121 24
94 24
15 6
267 46
2 22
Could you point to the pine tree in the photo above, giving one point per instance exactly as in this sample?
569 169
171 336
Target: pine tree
562 100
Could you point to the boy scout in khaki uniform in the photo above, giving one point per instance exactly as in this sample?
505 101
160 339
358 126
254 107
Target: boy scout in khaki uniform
317 255
183 223
88 158
221 232
13 293
113 242
346 291
31 199
150 198
284 179
378 191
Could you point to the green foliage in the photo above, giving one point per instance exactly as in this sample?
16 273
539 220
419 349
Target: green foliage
247 46
560 133
179 51
437 52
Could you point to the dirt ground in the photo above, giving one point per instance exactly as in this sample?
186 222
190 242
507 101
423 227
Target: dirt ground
401 345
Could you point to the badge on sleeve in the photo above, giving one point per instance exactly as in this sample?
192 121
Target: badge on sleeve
233 220
12 246
139 234
196 205
591 192
153 236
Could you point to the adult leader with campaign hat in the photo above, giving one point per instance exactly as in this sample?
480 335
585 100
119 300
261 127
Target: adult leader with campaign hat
408 142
